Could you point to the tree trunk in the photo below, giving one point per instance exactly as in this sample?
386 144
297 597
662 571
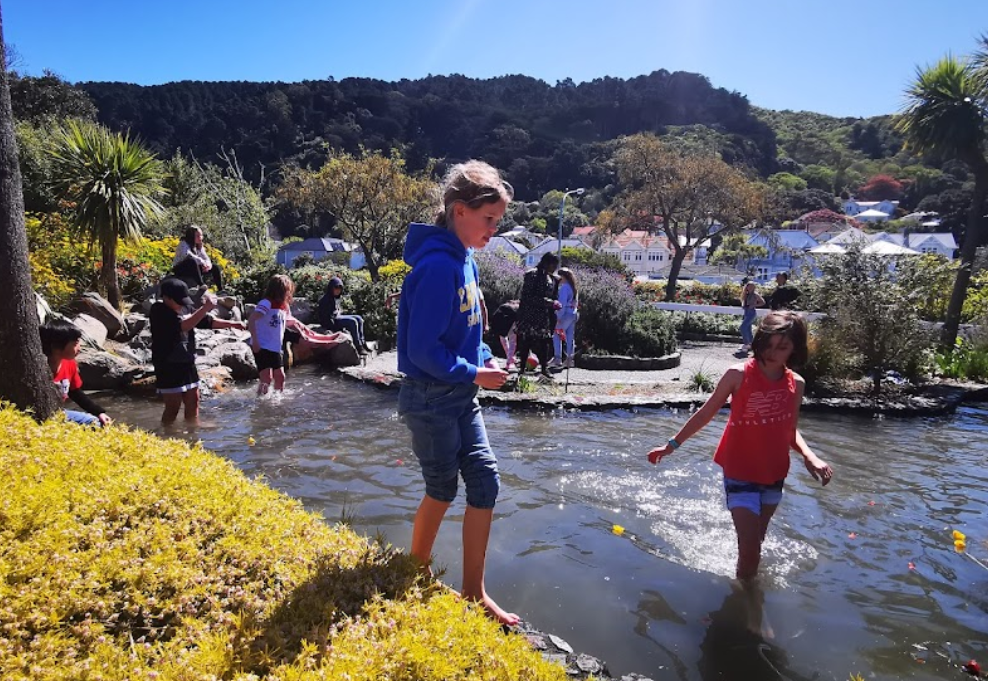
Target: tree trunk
25 379
108 274
677 264
973 237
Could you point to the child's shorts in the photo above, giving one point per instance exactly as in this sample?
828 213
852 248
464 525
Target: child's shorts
266 359
175 377
752 495
450 439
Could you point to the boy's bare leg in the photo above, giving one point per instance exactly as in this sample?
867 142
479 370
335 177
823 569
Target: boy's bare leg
427 521
173 404
191 400
279 379
476 533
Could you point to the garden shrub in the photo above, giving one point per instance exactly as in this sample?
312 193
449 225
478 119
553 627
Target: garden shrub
606 304
690 292
649 333
126 556
705 324
501 278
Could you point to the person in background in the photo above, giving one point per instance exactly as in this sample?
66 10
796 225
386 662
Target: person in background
503 324
192 264
174 320
784 295
445 362
267 325
536 313
566 318
765 395
332 319
750 302
61 341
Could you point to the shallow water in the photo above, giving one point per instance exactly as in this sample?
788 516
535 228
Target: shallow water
658 599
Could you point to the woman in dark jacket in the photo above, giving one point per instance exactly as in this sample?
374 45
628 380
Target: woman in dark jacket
537 313
331 319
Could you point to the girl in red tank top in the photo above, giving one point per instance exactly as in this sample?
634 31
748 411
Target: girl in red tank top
762 427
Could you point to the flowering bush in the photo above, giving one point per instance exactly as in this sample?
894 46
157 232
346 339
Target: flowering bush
690 292
606 304
501 278
61 264
133 557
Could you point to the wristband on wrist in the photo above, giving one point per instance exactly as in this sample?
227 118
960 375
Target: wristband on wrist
673 444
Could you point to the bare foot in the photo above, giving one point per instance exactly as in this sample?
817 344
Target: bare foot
495 612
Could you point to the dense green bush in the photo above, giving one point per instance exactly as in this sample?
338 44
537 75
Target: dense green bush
690 292
705 324
126 557
584 257
606 304
649 333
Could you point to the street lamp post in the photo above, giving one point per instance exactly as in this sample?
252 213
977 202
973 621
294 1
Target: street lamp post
562 205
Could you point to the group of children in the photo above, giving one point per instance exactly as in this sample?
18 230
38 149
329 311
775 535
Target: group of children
445 362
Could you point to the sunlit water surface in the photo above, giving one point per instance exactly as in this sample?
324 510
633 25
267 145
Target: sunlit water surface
840 595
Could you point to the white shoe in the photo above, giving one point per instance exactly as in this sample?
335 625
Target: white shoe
568 364
554 363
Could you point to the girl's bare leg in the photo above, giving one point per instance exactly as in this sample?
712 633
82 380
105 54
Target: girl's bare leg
191 400
279 378
476 533
427 521
264 382
173 404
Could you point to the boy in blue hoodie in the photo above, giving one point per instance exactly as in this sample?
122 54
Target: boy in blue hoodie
445 362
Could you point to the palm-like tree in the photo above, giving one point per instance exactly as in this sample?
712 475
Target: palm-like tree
114 184
945 116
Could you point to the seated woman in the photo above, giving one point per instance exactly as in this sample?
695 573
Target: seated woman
191 264
330 316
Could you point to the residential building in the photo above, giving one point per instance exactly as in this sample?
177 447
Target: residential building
937 243
550 245
320 249
868 211
787 252
503 245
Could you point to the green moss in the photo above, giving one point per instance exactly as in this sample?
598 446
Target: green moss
125 556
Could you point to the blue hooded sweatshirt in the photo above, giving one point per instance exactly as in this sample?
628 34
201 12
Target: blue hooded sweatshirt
440 326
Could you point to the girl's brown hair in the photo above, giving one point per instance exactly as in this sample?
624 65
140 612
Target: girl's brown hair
785 322
473 183
279 291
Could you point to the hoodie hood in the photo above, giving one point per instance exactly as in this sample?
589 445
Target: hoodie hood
424 240
335 282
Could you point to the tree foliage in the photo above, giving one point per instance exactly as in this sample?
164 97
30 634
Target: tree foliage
691 196
114 185
372 197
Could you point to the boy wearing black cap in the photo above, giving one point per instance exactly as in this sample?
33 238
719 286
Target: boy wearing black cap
173 346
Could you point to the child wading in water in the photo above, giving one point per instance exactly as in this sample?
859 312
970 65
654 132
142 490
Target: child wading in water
754 449
445 361
267 326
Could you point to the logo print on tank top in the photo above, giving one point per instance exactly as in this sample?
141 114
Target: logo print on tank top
767 407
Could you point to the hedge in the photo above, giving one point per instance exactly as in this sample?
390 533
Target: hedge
126 556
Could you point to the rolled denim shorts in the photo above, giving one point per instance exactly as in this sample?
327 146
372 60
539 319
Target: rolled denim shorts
752 495
450 440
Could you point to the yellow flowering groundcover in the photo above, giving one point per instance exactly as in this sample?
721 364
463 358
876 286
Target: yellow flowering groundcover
126 556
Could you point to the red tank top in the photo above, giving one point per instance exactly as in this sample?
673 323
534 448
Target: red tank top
755 444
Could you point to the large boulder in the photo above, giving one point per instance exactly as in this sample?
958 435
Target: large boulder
97 307
343 355
303 311
136 323
93 331
228 313
237 356
104 371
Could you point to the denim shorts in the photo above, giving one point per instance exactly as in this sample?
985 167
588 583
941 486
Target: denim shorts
450 440
752 495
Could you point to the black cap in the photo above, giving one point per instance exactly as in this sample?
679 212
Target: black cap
176 290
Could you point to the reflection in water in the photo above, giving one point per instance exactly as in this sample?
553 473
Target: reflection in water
642 600
740 644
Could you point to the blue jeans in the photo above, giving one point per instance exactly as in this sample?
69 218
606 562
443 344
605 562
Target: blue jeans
352 324
746 320
568 324
450 439
82 418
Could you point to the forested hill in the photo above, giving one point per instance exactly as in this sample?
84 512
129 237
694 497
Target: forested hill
545 136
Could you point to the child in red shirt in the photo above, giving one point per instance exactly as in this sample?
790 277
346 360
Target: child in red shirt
60 341
754 449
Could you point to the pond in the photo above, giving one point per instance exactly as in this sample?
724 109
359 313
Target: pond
860 577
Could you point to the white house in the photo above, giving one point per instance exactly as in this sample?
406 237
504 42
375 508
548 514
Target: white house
504 245
550 245
786 251
937 243
319 249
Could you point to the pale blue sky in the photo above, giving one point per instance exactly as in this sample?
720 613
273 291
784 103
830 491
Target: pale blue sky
841 57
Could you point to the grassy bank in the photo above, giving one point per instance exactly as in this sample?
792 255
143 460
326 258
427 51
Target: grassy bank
125 556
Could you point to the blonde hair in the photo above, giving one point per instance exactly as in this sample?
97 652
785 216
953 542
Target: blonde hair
473 183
